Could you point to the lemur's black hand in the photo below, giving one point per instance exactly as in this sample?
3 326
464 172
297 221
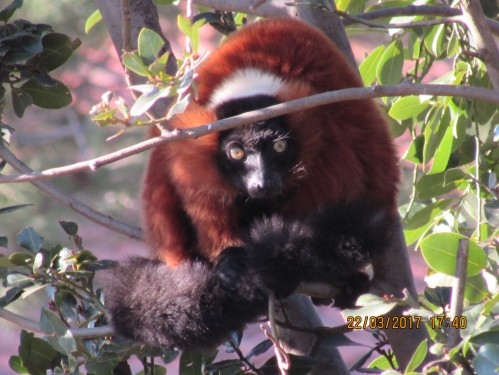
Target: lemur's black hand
231 267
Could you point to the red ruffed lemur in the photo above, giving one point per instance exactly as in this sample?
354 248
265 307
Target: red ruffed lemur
233 216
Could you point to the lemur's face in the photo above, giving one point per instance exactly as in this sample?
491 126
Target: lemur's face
257 158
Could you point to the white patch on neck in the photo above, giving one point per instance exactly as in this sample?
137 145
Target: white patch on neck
245 83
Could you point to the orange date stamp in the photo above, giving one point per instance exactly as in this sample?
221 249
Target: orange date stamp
383 322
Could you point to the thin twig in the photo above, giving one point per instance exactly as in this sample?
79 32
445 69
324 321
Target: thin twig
405 25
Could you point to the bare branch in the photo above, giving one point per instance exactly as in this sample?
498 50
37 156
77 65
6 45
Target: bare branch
405 25
96 216
34 326
476 93
268 8
416 10
484 42
20 321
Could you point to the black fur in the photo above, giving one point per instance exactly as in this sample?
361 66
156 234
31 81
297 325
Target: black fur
197 306
181 307
331 246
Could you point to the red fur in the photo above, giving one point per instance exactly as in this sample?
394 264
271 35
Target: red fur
345 149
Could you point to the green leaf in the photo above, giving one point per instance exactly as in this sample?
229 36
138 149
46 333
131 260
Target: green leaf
8 11
27 46
54 97
414 153
16 364
418 356
260 348
36 354
13 294
190 30
486 361
487 337
132 61
380 363
147 100
69 227
443 151
440 251
430 186
20 101
20 259
369 66
159 65
29 239
491 209
192 361
476 289
490 305
64 344
150 44
102 365
57 49
92 20
50 323
407 107
390 64
435 40
424 219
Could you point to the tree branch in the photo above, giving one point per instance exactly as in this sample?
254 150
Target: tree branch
474 18
458 287
84 210
415 10
34 326
475 93
405 25
268 8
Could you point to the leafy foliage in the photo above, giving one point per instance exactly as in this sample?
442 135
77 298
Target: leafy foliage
28 52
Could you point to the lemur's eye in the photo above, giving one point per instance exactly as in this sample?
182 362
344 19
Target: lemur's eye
280 146
235 152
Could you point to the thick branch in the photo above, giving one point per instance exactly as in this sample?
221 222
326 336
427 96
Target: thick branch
326 19
484 42
458 287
